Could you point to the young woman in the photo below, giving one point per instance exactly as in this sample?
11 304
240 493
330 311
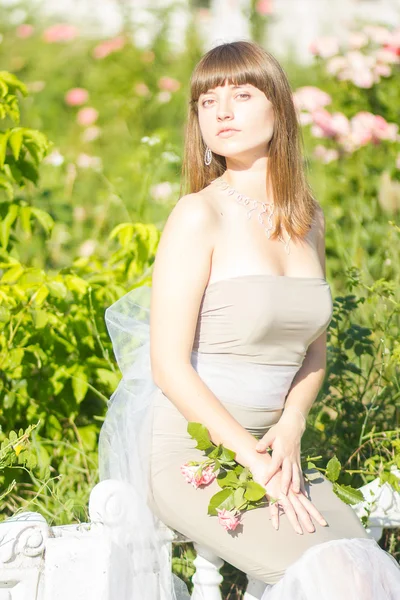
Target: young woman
239 309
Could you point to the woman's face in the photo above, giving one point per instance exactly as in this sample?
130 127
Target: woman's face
245 109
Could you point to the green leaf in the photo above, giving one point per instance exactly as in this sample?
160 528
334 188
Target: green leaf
333 469
108 378
238 497
227 455
222 499
200 434
57 289
25 219
15 141
44 219
253 491
12 275
79 384
40 318
6 224
228 478
348 494
3 147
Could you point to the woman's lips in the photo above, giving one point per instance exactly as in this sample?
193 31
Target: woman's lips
227 133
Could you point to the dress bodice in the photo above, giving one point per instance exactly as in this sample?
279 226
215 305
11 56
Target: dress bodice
264 319
253 332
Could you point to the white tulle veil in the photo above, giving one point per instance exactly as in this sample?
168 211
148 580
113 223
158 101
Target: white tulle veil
141 545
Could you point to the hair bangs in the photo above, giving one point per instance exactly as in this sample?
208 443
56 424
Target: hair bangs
226 63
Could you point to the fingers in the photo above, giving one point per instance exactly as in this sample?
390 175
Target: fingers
263 444
291 514
302 513
309 506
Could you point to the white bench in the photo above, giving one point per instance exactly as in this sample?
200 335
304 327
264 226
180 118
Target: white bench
39 562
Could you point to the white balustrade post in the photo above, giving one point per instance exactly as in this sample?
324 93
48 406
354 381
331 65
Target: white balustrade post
207 578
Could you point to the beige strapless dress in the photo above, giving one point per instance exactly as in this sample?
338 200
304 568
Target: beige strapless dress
252 335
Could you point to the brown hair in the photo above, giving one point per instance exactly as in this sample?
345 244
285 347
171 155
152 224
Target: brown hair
247 62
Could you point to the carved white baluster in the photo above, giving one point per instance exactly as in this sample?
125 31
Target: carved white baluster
207 578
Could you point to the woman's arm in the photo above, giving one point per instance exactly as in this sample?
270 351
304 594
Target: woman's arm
181 272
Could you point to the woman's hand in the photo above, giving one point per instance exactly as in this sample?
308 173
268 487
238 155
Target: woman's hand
295 505
285 438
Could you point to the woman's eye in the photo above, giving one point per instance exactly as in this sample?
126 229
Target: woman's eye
242 94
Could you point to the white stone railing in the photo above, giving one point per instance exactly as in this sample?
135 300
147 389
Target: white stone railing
39 562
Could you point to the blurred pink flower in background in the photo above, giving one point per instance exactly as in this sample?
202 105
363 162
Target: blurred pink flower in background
326 155
148 56
164 97
387 55
161 191
79 213
323 125
76 96
229 519
25 30
377 33
168 84
336 64
325 46
357 40
87 248
310 98
61 32
87 116
108 47
264 7
90 134
55 158
361 129
141 89
86 161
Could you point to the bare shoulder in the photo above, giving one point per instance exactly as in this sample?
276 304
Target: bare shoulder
194 211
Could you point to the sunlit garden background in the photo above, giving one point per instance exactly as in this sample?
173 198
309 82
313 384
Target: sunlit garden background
89 171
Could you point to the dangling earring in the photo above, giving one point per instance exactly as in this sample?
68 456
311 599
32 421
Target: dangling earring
207 156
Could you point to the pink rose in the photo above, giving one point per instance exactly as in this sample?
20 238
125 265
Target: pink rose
310 98
87 116
325 46
168 84
108 47
323 123
196 476
264 7
229 519
60 32
141 89
25 30
76 96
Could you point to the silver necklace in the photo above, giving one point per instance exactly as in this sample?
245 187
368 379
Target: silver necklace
266 208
